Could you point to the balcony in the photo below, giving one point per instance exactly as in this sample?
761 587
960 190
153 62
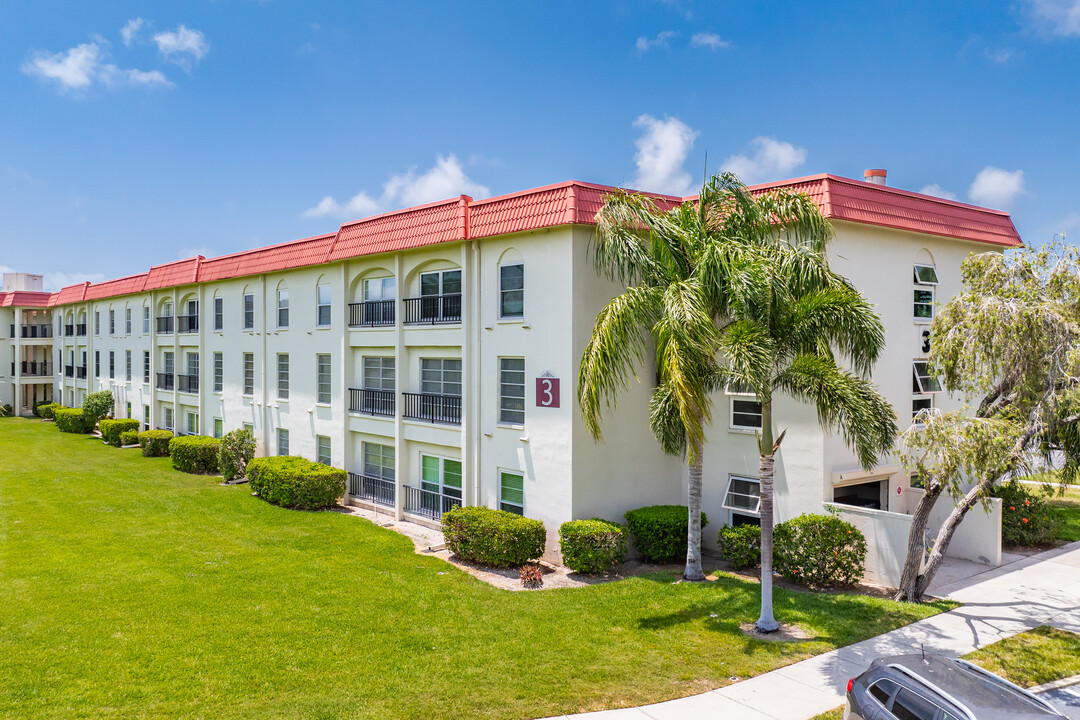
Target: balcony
187 323
372 489
69 371
371 402
164 325
165 381
433 408
69 330
187 383
427 503
433 309
80 373
34 369
33 331
373 313
80 329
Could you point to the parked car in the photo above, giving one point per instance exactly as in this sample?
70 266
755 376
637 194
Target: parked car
933 687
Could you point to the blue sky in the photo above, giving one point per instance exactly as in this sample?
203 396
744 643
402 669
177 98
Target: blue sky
135 133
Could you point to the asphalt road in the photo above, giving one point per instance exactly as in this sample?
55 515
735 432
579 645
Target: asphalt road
1066 699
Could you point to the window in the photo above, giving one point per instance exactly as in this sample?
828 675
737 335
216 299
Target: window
910 706
745 411
512 391
112 364
97 322
219 372
283 376
168 418
146 417
127 321
192 423
322 449
127 408
170 365
218 428
249 373
322 305
512 492
379 373
146 320
250 428
127 362
146 366
322 378
219 313
440 377
379 461
283 308
379 289
193 364
282 441
440 294
742 495
249 312
112 322
922 382
97 363
512 291
925 282
440 475
919 404
882 690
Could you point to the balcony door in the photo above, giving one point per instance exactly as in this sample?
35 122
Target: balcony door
440 294
442 476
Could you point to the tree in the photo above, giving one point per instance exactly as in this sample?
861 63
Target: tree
1012 336
97 405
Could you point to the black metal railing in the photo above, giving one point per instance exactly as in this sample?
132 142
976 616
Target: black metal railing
372 313
371 402
80 329
427 503
433 309
187 383
36 331
165 324
187 323
80 373
165 381
69 371
372 489
434 408
69 330
37 369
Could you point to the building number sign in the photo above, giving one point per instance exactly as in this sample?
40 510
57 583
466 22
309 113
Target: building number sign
547 391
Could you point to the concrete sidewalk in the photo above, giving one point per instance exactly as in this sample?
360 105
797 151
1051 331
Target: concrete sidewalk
1043 589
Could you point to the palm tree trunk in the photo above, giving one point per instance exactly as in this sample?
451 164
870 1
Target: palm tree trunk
766 469
693 569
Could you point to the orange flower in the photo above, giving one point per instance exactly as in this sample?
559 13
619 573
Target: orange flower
1012 507
1027 502
1025 519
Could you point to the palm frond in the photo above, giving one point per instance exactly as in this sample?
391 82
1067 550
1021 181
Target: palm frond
835 317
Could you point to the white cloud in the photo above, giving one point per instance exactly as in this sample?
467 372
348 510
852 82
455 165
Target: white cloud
662 149
445 180
938 191
772 160
1055 17
661 40
131 30
83 65
996 188
709 40
999 55
183 46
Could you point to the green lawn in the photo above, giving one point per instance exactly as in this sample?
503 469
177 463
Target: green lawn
130 590
1067 508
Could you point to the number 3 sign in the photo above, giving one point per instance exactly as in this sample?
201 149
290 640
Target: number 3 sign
547 391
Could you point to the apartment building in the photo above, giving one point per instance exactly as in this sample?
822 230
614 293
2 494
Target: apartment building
432 352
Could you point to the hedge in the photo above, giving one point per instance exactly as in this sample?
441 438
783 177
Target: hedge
236 451
155 443
740 545
820 550
47 411
195 454
72 420
112 429
1026 519
592 546
130 437
493 537
295 482
659 531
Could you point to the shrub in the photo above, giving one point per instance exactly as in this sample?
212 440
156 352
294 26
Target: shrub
130 437
155 443
493 537
659 531
820 550
39 405
98 405
72 420
195 454
295 482
236 451
112 429
46 411
6 410
1026 519
592 546
740 546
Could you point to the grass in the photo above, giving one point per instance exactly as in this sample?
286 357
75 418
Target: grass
130 590
1067 508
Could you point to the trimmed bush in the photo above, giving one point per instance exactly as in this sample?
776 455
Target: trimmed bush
236 451
1026 519
98 405
820 550
740 546
493 537
659 531
592 546
294 482
72 420
112 429
155 443
130 437
39 405
195 454
46 411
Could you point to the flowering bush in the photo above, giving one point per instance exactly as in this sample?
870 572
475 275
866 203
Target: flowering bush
1026 519
740 546
820 550
532 577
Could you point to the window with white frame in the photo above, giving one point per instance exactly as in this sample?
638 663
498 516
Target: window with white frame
170 363
512 391
283 376
512 492
376 289
926 281
323 377
97 363
192 423
112 322
112 364
379 461
146 417
127 362
219 313
218 428
168 418
322 449
379 373
922 382
440 376
743 495
512 290
249 427
127 407
249 374
219 372
283 308
322 305
97 322
127 321
146 366
440 475
146 320
745 410
282 441
918 404
249 311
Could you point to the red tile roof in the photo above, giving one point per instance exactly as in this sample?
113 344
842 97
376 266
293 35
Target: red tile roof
566 203
24 298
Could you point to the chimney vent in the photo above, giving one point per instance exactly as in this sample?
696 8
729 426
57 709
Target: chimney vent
875 175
